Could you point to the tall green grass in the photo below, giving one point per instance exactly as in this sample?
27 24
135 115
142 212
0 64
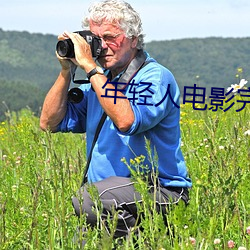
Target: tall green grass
40 172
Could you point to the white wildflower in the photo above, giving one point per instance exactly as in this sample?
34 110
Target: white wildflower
247 133
217 241
242 248
238 86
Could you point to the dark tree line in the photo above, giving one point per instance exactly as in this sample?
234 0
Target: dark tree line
28 66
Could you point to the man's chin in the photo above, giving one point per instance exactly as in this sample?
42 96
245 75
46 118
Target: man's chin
105 64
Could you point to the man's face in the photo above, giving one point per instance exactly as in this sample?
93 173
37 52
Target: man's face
118 50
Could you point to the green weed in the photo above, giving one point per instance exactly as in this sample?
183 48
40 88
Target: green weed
40 172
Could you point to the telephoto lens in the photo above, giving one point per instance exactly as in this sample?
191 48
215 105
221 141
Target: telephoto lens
65 48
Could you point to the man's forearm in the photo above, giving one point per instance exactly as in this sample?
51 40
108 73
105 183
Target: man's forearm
120 113
55 103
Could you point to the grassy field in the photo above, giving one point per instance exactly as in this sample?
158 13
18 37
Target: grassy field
40 172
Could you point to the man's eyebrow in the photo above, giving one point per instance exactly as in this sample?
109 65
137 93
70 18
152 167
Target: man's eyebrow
107 33
104 34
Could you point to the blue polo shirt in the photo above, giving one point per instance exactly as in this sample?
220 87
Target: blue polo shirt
154 97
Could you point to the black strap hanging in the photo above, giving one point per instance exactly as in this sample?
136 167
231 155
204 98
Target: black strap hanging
98 129
136 64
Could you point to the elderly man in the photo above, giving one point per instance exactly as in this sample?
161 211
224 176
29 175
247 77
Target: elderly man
145 108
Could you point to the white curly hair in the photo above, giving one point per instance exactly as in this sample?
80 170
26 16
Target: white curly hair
119 12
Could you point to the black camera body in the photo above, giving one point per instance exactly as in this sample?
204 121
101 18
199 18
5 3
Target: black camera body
65 48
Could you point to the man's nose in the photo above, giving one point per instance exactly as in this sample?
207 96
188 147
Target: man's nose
104 44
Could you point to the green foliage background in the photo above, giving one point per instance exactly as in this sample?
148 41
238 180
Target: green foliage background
28 65
214 60
41 171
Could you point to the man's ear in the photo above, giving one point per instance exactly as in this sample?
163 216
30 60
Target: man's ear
134 42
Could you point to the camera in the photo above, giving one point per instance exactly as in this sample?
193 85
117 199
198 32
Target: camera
65 48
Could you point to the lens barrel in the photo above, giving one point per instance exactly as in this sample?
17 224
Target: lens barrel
65 48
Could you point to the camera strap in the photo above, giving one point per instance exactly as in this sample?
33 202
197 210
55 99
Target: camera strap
136 64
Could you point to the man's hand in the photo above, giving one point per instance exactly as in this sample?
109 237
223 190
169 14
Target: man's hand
66 63
83 54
